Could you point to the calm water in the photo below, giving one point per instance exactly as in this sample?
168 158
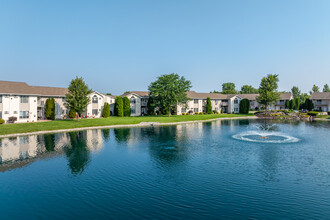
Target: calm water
193 171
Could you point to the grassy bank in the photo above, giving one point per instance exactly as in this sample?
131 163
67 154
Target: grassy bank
323 116
69 124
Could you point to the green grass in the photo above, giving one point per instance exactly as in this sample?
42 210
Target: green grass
323 116
69 124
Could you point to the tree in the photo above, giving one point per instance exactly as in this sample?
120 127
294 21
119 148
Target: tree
326 88
119 107
72 113
151 106
296 103
228 88
106 110
315 89
309 105
295 92
244 106
246 89
50 108
292 104
169 90
208 106
126 107
268 90
287 104
77 97
109 94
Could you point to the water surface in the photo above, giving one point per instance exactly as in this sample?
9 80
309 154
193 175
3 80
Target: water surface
189 171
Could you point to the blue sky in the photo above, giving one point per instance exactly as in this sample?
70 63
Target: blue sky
124 45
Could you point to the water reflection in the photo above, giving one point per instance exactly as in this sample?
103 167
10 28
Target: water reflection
21 151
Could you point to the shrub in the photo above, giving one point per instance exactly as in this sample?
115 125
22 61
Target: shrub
126 107
313 113
106 110
151 106
201 113
244 106
50 109
119 107
329 113
12 119
196 113
2 121
72 113
208 106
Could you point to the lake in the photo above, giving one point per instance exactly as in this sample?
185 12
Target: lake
233 169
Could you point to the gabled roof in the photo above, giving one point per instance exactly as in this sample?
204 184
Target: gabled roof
139 93
320 95
21 88
251 97
285 96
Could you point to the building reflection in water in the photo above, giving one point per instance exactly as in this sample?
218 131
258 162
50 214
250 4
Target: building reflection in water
21 151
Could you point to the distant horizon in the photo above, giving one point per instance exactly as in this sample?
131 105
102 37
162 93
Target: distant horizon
117 46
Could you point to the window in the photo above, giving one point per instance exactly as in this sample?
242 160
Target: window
235 109
183 110
132 110
195 109
0 114
236 101
24 99
23 114
196 101
0 98
216 108
282 101
133 100
95 99
216 101
6 112
319 101
95 111
224 100
24 140
15 112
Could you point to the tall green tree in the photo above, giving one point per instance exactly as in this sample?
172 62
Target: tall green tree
228 88
50 108
119 106
287 104
326 88
151 106
315 89
246 89
295 92
208 106
126 107
268 93
309 105
244 106
169 90
292 104
77 97
296 103
106 110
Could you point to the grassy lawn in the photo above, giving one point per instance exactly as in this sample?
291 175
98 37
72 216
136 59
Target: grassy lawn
323 116
68 124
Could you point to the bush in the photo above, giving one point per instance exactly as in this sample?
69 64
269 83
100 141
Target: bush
2 121
201 113
50 109
244 106
183 113
126 107
328 113
196 113
12 119
72 113
119 107
151 106
208 106
106 110
215 112
313 113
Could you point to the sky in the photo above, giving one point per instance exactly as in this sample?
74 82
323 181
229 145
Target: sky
119 46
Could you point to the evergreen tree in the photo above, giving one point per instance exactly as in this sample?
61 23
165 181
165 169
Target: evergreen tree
326 88
126 107
287 104
50 109
296 103
119 108
292 104
208 106
106 110
151 106
244 106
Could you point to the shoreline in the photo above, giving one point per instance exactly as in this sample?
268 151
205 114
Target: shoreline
142 124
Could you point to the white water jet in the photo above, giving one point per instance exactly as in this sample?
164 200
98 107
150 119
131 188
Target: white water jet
265 137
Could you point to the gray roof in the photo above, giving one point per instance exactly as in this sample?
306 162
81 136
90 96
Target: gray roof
320 95
21 88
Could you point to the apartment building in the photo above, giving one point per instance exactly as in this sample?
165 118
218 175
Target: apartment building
321 101
97 101
139 101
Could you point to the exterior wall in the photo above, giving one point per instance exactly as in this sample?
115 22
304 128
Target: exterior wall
322 104
101 100
135 105
234 107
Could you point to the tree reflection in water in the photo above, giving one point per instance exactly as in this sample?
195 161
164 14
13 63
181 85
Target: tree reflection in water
122 135
77 153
